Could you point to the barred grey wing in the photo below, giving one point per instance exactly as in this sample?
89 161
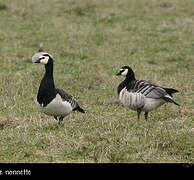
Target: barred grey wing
156 93
67 97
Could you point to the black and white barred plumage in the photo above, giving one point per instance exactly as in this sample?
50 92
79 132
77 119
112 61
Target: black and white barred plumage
53 101
141 95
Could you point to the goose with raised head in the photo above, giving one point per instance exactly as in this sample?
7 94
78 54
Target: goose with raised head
53 101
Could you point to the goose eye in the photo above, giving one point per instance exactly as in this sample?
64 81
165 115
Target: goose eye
122 70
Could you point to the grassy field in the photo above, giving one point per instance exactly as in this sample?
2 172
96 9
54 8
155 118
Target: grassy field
90 41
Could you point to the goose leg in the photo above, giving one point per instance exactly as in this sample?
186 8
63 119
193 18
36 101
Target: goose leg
146 116
61 119
138 113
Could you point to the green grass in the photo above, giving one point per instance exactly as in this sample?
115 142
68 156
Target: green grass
91 41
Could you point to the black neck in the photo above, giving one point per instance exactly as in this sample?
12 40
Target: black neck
124 83
49 70
47 87
48 80
130 77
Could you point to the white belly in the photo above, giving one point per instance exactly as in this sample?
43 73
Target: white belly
57 107
151 104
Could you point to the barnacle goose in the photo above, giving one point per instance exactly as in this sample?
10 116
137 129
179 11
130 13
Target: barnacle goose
53 101
140 95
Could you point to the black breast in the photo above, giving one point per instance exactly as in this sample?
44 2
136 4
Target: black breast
122 85
46 92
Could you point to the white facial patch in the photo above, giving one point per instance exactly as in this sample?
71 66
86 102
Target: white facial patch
124 73
44 59
37 55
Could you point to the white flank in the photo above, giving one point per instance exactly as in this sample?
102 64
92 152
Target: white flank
138 100
131 100
57 107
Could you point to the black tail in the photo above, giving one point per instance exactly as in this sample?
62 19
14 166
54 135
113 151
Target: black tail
170 91
79 109
170 100
175 102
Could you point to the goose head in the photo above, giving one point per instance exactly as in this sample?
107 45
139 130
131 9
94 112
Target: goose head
127 72
44 59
